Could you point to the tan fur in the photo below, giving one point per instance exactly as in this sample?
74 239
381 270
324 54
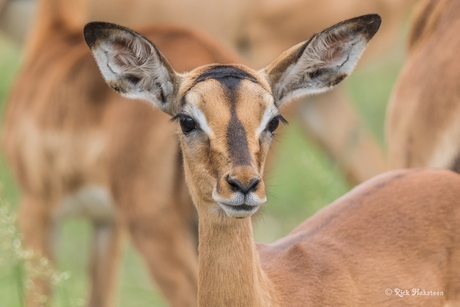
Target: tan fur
397 231
74 152
422 125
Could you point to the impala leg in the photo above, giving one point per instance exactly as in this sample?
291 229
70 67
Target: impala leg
37 226
105 258
168 246
331 120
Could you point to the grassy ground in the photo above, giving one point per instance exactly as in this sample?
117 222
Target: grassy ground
303 180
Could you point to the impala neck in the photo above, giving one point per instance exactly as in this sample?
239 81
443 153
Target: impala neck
229 267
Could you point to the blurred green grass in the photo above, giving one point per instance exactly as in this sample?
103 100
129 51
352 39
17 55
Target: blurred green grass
302 180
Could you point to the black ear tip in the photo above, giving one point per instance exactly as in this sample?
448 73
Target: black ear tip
371 18
370 24
92 32
374 20
88 33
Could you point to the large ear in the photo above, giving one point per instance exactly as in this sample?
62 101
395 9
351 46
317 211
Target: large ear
318 64
132 65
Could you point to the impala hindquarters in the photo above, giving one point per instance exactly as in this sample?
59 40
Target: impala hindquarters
423 121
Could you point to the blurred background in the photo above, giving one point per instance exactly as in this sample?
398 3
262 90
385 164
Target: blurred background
302 179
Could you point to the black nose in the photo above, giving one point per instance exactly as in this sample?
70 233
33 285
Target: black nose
237 186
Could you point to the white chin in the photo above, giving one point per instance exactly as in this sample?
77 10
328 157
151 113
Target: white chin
240 211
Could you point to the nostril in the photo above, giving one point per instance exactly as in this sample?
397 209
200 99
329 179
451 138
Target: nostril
237 186
253 184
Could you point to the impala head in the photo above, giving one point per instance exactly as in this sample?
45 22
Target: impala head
227 113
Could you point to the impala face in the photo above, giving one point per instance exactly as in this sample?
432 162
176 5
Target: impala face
227 113
228 119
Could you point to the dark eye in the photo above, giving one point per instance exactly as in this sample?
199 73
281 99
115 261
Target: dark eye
187 124
273 124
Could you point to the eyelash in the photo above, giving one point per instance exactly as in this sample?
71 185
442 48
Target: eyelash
187 123
273 124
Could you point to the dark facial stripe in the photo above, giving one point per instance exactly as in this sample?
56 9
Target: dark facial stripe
236 135
229 76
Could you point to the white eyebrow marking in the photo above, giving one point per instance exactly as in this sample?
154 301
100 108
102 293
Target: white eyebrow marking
194 112
270 112
199 116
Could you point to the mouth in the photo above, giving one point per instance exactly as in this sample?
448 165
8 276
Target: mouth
239 211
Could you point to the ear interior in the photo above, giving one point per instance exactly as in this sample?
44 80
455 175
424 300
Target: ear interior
320 63
131 64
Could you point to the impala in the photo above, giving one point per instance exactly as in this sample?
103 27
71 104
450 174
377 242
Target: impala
395 231
423 122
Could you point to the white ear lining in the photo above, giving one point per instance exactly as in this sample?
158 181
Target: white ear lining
101 55
136 58
297 80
